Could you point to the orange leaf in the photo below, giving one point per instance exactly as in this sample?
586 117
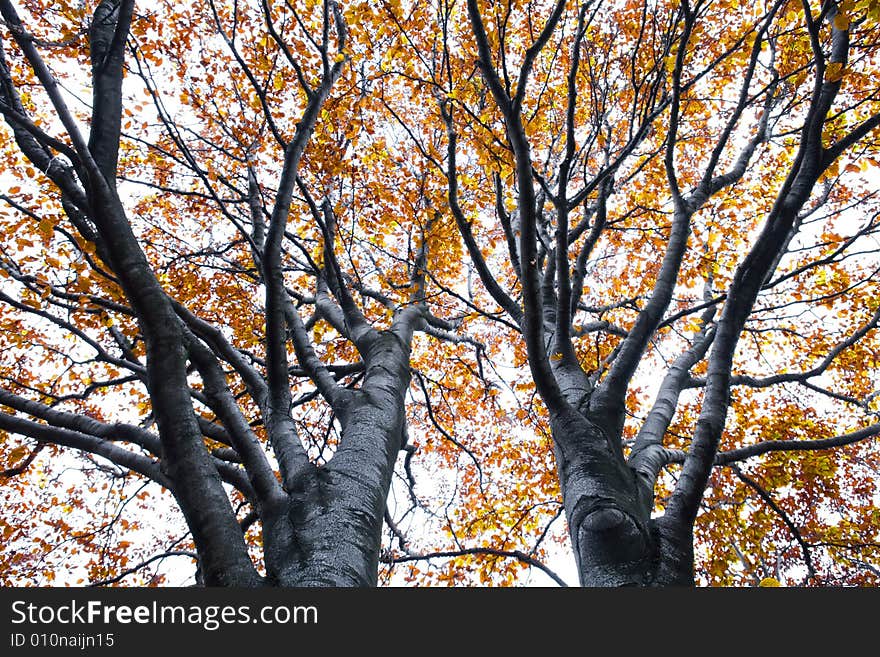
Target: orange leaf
17 454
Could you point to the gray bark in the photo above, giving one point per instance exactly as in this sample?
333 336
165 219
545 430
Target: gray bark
327 530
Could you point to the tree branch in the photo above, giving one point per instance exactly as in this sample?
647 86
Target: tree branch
506 554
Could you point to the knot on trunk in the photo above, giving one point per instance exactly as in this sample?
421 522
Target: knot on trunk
614 548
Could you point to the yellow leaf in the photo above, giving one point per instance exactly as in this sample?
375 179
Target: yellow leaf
841 21
834 72
17 454
340 57
769 581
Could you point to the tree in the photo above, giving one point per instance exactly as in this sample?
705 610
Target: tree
113 288
713 138
302 238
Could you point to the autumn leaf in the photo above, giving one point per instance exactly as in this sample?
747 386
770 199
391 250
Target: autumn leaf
834 72
17 454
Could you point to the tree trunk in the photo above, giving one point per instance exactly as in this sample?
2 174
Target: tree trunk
328 531
614 539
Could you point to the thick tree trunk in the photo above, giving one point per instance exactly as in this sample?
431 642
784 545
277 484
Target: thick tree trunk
328 531
614 539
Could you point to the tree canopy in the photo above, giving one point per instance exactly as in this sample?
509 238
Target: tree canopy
434 292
